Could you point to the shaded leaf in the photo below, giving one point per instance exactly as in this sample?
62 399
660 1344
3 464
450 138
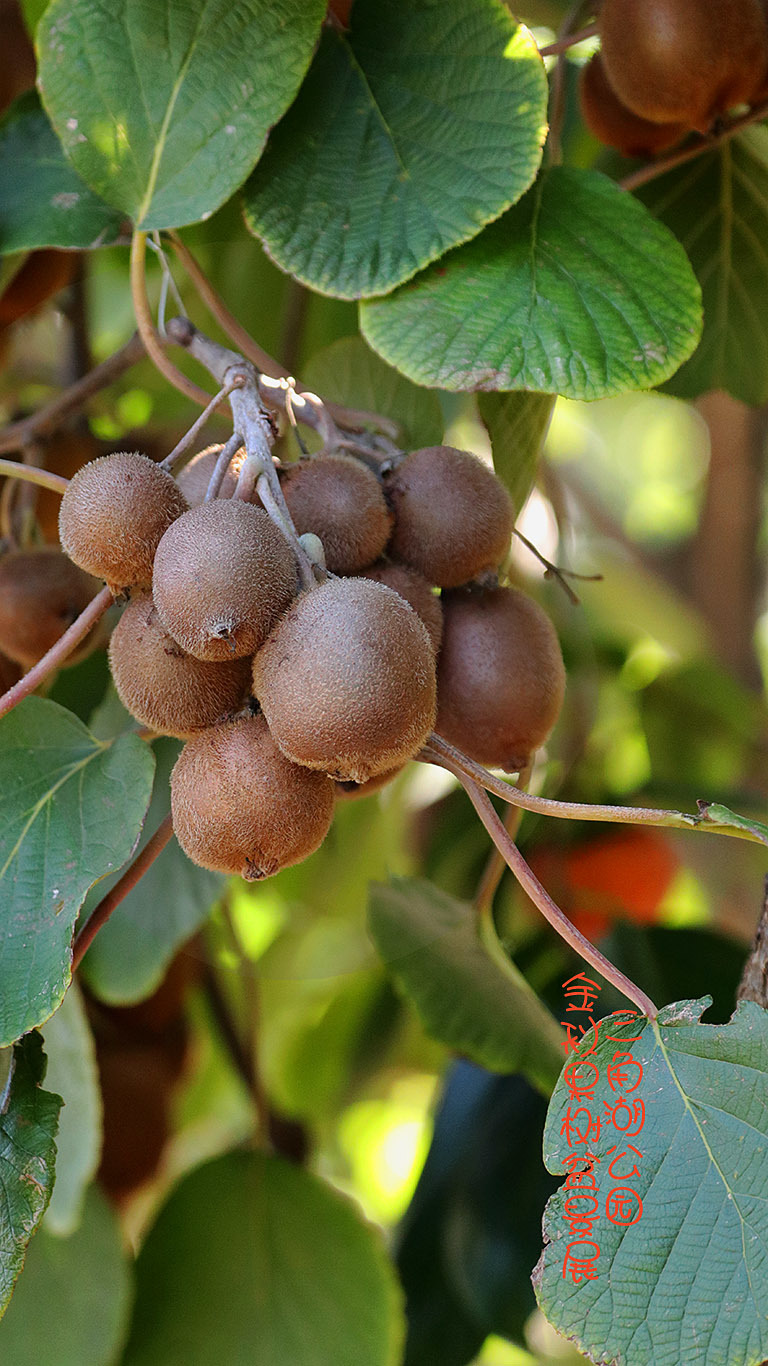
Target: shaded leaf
349 372
517 425
576 291
687 1278
718 208
43 201
72 1074
252 1255
129 956
71 810
164 108
468 994
411 132
28 1122
70 1307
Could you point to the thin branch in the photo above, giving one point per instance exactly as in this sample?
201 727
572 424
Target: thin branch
125 884
54 414
570 40
494 868
32 474
226 456
58 653
557 94
146 326
544 903
439 751
197 426
553 571
707 143
240 1055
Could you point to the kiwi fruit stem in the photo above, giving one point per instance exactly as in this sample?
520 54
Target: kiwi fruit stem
58 653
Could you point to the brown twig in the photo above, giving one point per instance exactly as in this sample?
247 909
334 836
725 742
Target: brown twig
58 653
570 40
241 1056
13 469
754 978
189 437
495 865
707 143
125 884
48 419
553 571
146 326
544 903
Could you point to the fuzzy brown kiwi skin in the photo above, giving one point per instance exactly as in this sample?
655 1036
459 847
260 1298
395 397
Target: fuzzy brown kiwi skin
453 517
239 806
417 593
114 514
340 500
41 594
347 680
223 575
501 677
352 792
161 685
195 477
683 61
615 125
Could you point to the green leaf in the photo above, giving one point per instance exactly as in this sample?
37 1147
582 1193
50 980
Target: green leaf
71 1305
468 993
129 956
686 1282
411 132
72 1074
253 1259
717 206
576 291
349 372
517 425
28 1123
43 201
712 813
33 10
164 108
71 810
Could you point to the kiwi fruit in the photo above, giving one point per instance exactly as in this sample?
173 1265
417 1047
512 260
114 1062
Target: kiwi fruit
340 500
195 477
64 453
239 806
164 687
417 592
41 593
347 680
223 574
113 515
501 678
683 61
10 673
453 517
348 791
616 126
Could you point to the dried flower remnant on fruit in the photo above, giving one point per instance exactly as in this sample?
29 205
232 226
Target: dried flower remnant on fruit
453 517
223 574
239 806
341 501
161 685
501 678
114 514
347 680
41 593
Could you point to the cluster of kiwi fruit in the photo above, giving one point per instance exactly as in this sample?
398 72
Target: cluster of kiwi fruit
290 696
669 67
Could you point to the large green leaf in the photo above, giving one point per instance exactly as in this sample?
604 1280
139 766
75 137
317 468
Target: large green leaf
687 1281
129 956
411 132
71 810
718 207
468 994
517 424
28 1122
254 1260
164 108
71 1304
43 201
72 1074
578 291
349 372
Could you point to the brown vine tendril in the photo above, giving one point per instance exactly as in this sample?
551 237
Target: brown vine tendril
146 326
133 873
705 143
32 474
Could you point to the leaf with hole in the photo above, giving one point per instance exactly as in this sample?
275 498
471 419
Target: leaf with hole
577 291
467 992
685 1280
412 131
71 810
29 1119
164 108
